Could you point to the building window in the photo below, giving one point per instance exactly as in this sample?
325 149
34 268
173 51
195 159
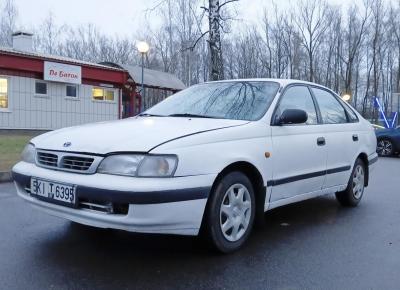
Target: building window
3 93
109 95
71 91
100 94
40 88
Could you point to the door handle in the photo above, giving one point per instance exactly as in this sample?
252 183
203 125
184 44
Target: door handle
321 141
355 137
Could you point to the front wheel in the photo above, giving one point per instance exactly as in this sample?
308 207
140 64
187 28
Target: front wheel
352 195
384 147
230 212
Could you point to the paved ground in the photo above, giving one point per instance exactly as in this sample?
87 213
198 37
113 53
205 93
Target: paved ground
311 245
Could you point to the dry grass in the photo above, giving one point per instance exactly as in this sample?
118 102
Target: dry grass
11 147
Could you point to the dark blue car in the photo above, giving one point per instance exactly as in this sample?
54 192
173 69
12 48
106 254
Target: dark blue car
388 141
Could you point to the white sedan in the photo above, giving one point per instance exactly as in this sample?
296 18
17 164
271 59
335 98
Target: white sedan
210 159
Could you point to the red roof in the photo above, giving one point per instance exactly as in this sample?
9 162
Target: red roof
32 62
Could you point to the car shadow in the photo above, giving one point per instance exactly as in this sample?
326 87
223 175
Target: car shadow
120 258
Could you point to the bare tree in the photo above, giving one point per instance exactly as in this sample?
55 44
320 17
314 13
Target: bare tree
47 38
352 40
214 41
312 21
9 15
395 31
215 26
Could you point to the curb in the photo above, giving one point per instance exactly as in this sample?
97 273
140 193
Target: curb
5 177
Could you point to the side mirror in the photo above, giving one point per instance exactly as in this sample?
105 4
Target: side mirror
292 116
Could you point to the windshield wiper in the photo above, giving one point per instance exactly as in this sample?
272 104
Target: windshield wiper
187 115
150 115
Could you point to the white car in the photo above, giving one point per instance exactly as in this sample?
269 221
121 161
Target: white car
212 159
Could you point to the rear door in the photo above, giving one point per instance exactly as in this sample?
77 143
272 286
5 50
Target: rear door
299 155
341 134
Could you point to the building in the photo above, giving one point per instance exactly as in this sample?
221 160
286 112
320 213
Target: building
46 92
158 85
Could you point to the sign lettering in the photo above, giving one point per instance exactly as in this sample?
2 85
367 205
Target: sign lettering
64 73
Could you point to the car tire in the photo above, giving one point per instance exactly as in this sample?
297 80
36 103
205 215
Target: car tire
230 212
352 195
385 147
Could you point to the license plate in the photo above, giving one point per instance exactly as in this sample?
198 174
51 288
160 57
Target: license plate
53 190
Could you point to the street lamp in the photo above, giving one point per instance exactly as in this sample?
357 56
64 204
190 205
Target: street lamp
143 48
346 97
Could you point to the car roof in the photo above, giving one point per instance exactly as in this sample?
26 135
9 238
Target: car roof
282 82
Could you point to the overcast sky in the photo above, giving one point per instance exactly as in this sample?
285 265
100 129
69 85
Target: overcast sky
121 17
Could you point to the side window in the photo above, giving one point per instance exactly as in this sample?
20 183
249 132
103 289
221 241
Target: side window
352 116
298 97
331 110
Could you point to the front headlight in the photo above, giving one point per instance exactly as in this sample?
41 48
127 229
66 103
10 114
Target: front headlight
28 154
158 166
139 165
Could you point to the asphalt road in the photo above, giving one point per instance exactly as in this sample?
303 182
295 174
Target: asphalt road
310 245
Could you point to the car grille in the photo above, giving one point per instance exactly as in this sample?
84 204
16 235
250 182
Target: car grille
47 159
76 163
66 161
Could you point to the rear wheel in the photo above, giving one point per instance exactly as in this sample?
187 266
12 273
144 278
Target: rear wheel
352 195
230 212
384 147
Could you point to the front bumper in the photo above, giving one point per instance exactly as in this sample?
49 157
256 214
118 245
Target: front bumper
155 205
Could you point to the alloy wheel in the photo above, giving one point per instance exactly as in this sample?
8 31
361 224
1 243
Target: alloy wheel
358 181
235 212
384 148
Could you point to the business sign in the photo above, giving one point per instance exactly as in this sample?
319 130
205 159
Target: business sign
64 73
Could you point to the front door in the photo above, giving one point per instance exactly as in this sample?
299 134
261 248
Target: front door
299 152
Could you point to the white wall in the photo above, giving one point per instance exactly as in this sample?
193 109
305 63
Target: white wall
29 111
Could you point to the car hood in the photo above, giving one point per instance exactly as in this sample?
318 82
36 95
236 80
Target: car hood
137 134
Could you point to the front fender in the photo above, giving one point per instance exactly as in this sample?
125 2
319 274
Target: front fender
211 152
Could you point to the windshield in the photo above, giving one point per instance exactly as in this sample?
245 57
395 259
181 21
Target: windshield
244 100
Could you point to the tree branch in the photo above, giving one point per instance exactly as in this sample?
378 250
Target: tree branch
191 48
226 2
